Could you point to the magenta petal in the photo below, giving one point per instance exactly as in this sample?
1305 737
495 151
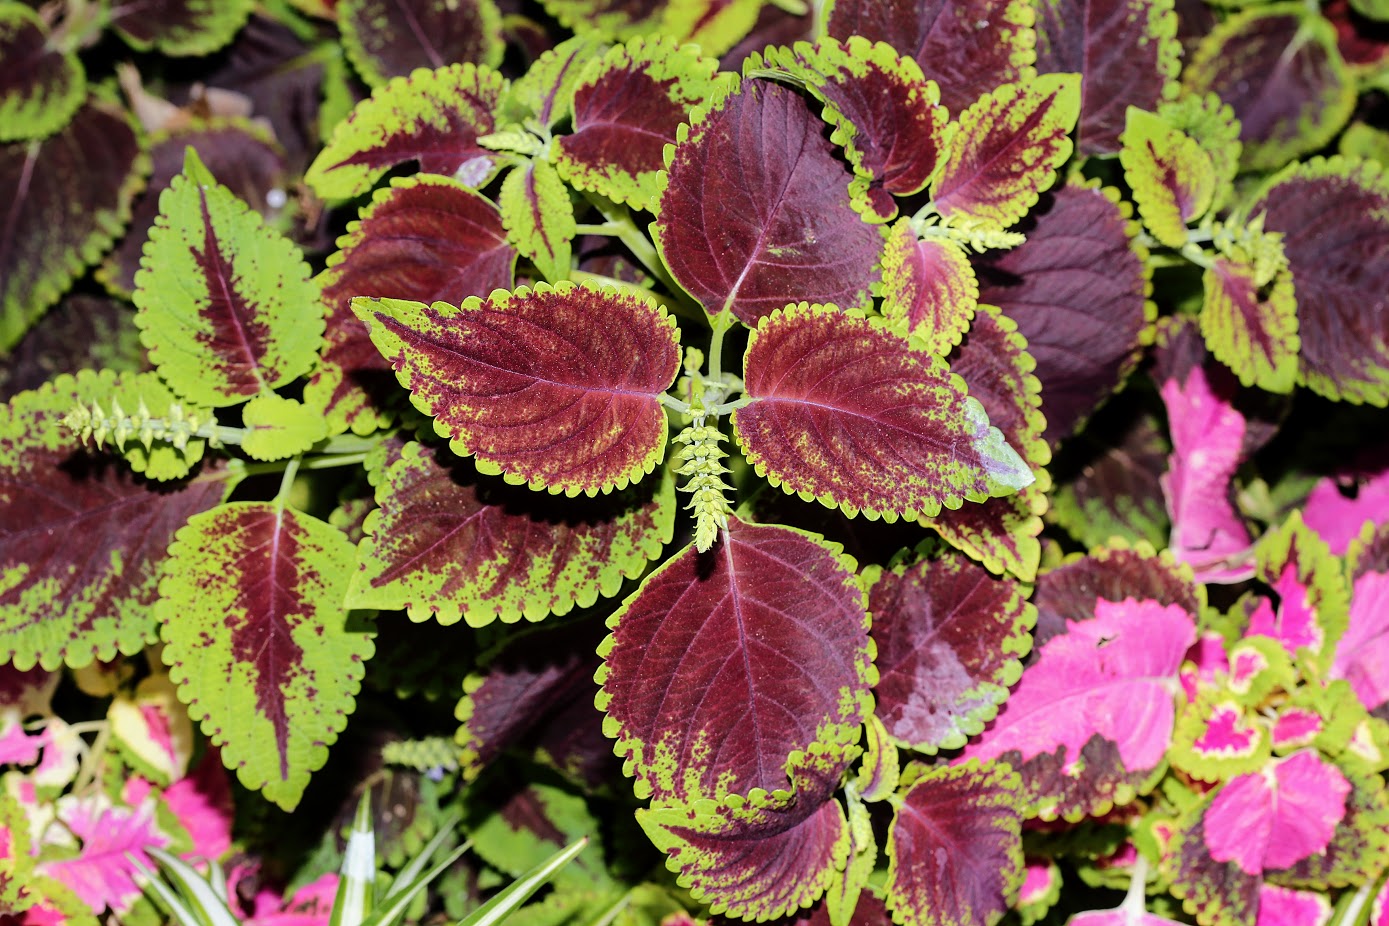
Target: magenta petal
1337 517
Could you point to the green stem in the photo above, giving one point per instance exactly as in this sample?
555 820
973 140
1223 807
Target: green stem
626 231
346 443
87 773
304 463
608 229
1193 252
723 408
287 483
676 405
722 323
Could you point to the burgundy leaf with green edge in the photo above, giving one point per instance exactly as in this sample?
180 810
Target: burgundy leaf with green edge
722 666
240 155
1000 533
1005 149
1126 51
1103 686
1362 654
890 112
775 25
845 411
433 118
425 238
72 195
627 108
761 857
955 846
180 27
1334 218
82 332
449 544
1279 67
756 214
258 641
391 38
1309 610
1068 593
546 91
929 288
66 602
557 387
950 640
1078 289
967 50
610 20
1363 42
40 86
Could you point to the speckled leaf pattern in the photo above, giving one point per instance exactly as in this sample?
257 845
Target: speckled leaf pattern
756 214
258 641
546 91
73 192
1078 290
392 38
1279 68
929 288
950 640
967 50
1334 219
1000 533
627 108
431 117
73 602
1171 175
955 846
609 20
424 238
847 412
449 544
1004 151
723 666
557 387
1250 328
886 114
1126 52
847 888
230 310
40 87
539 218
181 27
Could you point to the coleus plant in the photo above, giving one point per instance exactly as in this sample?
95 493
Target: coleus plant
865 275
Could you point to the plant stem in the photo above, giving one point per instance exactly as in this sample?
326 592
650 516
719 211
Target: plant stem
722 323
287 483
608 229
676 405
625 230
306 463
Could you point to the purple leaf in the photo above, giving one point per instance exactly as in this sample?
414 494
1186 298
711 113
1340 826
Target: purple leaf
775 25
1362 654
1078 291
994 362
756 212
1001 533
80 333
180 27
725 664
41 84
391 38
1070 592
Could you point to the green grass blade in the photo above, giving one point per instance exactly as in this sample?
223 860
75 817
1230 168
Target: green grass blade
406 877
393 907
520 890
208 908
357 886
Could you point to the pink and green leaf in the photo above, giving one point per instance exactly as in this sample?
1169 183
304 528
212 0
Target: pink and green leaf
950 639
1004 150
627 107
955 846
392 39
755 214
845 411
152 730
1340 505
539 218
449 544
425 238
1294 728
1281 906
41 86
230 311
929 289
1211 123
1310 608
557 387
1216 738
259 642
431 117
724 666
1171 175
1041 889
1069 593
1362 654
1252 329
101 874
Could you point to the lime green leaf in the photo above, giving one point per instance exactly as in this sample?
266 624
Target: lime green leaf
278 427
1250 328
545 92
143 419
40 86
539 218
1211 123
227 308
1172 177
258 641
180 27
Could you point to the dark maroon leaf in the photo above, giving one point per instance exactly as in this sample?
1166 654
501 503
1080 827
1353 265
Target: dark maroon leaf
1069 592
391 38
967 49
756 211
995 365
180 27
81 332
774 26
1078 290
1195 18
41 84
1364 42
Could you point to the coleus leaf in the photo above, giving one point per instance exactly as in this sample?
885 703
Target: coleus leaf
40 87
1171 175
1339 505
519 824
723 667
546 91
1211 123
385 40
955 846
424 238
1078 290
1004 150
763 856
1094 705
102 874
774 26
152 730
431 117
842 898
556 387
447 543
258 641
627 107
1068 593
929 288
887 114
72 198
81 332
1331 215
714 25
1251 328
227 308
967 52
539 217
1281 906
1279 68
1000 533
129 393
1126 51
880 770
1362 653
1216 738
1118 462
68 602
16 859
755 213
847 412
1041 889
1311 609
950 640
278 428
181 27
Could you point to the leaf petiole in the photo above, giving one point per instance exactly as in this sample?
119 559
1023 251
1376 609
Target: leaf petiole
287 482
